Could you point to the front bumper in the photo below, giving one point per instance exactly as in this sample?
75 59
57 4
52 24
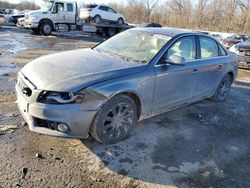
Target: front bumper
77 120
244 61
30 24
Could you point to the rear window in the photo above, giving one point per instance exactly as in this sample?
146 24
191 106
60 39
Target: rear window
209 48
222 51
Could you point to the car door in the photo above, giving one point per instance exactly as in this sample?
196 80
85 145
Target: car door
211 65
58 13
112 15
70 13
175 84
104 12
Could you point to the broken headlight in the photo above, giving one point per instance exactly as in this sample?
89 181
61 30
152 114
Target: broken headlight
52 97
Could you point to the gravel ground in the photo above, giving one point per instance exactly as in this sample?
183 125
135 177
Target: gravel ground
205 144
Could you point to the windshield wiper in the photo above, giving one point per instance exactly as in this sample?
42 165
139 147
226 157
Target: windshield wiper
120 56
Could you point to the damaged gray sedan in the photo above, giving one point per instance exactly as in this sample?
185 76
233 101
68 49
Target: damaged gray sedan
105 90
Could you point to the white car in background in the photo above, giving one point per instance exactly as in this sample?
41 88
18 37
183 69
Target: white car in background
2 18
100 13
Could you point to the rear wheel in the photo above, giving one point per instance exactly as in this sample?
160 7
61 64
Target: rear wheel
97 19
120 21
114 120
223 90
110 31
46 28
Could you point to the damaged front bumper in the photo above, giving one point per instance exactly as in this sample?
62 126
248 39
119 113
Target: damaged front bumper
45 118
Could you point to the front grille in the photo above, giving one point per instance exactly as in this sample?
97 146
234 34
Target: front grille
46 124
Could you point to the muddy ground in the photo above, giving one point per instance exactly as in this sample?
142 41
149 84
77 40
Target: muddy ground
205 144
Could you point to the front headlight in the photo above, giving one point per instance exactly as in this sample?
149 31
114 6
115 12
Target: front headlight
53 97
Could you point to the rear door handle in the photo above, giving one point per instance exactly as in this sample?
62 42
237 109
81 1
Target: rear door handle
195 71
220 67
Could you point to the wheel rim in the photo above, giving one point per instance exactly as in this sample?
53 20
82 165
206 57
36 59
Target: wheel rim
97 19
47 29
120 21
224 88
117 122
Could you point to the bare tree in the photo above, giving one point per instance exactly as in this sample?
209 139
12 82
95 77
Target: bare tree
149 6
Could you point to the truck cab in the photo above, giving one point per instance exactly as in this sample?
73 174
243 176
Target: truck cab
50 15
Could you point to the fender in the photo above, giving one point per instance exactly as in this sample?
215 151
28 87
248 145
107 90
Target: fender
142 87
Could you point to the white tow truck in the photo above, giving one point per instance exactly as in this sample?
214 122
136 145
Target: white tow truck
64 12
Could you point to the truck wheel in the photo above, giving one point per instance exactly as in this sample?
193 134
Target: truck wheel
110 31
35 30
97 19
120 21
46 28
223 89
114 120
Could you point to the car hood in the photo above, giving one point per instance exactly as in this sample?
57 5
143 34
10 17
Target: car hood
37 12
244 45
77 69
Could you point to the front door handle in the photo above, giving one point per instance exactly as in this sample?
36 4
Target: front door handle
195 71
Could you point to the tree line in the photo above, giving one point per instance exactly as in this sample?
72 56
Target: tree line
23 5
211 15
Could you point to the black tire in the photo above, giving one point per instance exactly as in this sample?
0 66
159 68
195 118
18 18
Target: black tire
114 121
120 21
223 89
98 19
46 28
110 32
35 30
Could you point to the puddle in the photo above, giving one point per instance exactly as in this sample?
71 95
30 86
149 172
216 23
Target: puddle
18 46
7 69
12 45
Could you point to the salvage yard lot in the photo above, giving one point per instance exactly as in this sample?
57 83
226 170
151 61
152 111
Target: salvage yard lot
205 144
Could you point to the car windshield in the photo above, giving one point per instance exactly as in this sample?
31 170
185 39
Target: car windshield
236 37
133 45
248 40
47 5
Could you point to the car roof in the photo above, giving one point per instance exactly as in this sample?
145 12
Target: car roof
167 31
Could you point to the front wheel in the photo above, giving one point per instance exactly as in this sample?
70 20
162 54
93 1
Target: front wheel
46 28
223 90
114 120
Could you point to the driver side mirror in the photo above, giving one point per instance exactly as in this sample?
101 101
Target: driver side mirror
175 60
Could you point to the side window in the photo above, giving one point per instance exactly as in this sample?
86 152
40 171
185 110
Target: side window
111 10
59 7
209 48
69 7
222 51
103 8
184 47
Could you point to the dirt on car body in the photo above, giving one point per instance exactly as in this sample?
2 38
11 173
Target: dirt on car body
205 144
